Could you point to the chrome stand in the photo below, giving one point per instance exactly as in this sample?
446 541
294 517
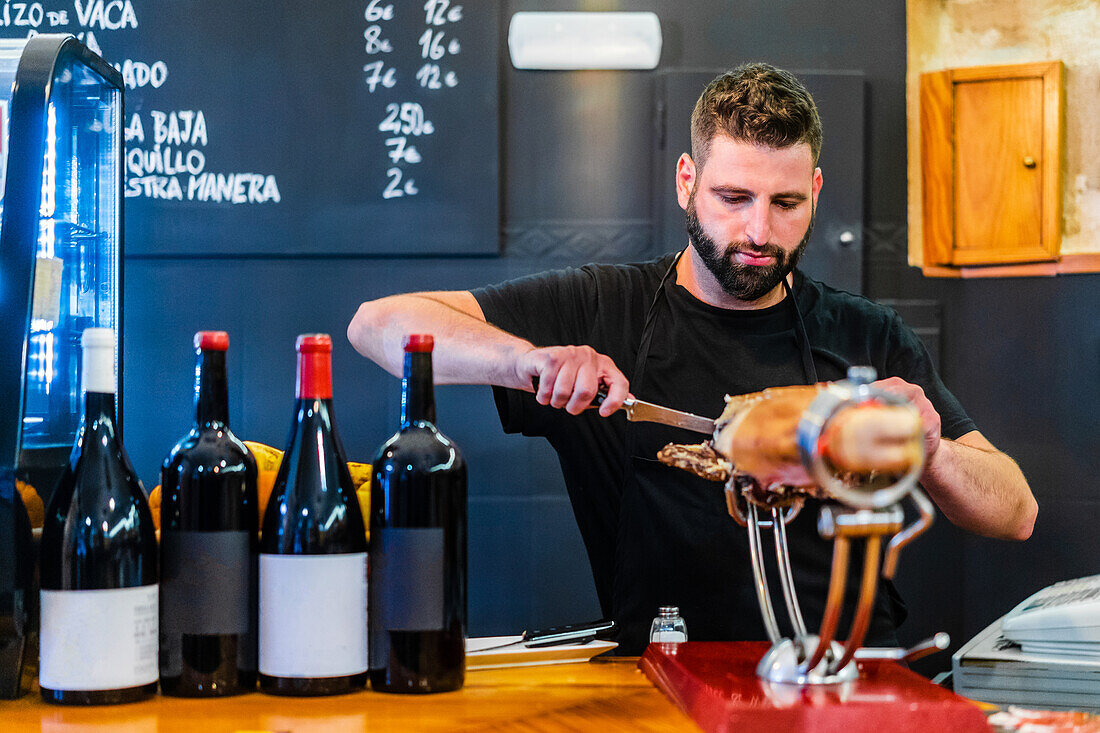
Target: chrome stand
869 514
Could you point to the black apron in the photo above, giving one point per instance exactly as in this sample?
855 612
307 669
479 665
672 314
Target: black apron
677 545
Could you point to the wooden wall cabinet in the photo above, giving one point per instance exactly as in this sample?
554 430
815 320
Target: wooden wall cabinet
991 164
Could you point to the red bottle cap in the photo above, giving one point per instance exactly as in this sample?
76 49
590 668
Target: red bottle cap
308 342
212 340
314 366
419 342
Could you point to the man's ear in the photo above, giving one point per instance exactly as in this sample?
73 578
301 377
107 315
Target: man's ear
816 185
685 179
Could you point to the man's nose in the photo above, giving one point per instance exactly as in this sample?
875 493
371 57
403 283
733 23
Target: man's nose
758 228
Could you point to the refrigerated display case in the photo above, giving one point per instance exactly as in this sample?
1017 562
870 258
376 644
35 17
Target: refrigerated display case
61 169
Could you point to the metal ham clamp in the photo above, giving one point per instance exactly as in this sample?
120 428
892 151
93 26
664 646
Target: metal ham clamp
864 509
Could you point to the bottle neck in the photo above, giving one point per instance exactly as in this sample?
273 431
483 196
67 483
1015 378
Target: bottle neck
99 405
98 381
314 375
211 388
417 395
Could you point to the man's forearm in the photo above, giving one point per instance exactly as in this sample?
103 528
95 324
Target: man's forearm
981 490
468 350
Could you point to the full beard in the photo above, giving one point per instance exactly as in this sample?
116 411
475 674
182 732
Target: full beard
744 282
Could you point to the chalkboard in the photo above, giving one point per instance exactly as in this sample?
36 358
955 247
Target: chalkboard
270 127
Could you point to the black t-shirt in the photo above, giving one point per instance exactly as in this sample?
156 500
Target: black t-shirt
667 539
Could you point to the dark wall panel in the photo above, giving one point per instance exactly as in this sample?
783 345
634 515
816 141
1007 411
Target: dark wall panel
527 565
264 305
1024 356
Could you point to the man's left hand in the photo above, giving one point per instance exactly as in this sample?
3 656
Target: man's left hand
930 419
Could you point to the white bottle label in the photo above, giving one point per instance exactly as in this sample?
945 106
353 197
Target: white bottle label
98 639
313 615
667 637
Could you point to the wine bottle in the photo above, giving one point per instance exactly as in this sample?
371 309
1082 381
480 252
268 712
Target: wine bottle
208 546
313 551
17 566
418 545
98 561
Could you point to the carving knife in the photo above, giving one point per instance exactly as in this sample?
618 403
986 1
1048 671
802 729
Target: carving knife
641 411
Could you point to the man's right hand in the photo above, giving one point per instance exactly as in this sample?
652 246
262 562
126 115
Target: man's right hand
570 376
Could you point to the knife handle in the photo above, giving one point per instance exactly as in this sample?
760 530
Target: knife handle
601 395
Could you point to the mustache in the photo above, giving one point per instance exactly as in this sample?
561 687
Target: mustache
756 250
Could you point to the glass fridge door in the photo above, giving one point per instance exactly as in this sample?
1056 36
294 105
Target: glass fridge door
10 52
63 214
61 153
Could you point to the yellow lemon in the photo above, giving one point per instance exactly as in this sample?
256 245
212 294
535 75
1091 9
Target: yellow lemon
268 459
33 502
360 476
267 463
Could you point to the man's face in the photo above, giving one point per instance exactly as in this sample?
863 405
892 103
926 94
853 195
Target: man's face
749 211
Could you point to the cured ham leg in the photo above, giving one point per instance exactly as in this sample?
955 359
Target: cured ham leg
756 435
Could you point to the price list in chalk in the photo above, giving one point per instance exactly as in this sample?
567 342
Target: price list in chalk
406 124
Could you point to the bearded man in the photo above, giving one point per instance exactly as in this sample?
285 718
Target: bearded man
729 314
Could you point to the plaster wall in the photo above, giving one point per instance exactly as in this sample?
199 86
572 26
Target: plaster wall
945 34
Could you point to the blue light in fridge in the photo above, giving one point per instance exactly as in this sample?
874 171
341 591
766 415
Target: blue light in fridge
49 187
42 359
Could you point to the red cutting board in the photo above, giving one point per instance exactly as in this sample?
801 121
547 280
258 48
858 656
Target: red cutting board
715 683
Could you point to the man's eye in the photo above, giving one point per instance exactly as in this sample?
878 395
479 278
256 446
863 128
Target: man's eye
735 199
787 205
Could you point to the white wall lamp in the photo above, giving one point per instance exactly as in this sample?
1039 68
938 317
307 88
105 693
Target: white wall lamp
584 40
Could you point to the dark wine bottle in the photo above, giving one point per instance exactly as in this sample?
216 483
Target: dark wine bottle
313 551
98 561
17 568
208 545
418 545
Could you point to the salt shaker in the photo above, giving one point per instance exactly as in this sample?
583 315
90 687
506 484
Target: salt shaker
668 627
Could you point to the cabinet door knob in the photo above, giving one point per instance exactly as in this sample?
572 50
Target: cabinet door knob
1029 162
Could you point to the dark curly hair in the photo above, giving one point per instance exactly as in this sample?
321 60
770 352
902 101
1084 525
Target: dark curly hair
756 103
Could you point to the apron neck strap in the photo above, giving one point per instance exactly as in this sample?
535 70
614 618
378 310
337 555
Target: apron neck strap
808 368
650 321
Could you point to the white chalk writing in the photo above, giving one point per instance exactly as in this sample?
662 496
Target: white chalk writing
107 15
404 121
168 152
22 15
163 161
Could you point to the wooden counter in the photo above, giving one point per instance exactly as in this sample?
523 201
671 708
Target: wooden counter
607 696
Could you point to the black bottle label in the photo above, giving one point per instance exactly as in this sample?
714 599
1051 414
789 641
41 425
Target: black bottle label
409 578
205 582
406 585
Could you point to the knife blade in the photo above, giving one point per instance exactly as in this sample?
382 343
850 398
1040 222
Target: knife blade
641 411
